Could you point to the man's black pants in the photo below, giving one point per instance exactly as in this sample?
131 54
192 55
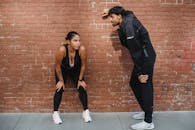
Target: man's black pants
144 91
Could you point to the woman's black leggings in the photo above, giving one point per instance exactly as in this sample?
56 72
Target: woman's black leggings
82 95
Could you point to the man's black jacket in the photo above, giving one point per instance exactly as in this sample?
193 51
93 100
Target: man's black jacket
134 36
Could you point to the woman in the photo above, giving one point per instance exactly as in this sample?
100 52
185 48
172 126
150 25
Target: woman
71 60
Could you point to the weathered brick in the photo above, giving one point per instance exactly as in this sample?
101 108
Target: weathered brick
32 30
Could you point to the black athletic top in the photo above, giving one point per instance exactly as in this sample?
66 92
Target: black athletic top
77 61
68 71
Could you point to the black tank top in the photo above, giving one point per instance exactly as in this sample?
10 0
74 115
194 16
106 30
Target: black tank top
77 61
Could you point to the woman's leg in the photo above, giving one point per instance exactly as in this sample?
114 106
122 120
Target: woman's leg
82 92
83 97
58 95
57 99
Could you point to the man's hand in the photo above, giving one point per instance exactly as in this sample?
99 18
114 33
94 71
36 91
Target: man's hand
105 13
143 78
81 83
59 85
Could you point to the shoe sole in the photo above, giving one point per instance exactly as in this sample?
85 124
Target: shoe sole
142 129
87 121
58 123
138 118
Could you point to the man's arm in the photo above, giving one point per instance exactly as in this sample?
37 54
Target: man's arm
138 62
132 44
136 51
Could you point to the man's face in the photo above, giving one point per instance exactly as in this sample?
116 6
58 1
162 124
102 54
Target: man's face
115 19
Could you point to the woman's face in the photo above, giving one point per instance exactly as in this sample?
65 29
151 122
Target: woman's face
75 42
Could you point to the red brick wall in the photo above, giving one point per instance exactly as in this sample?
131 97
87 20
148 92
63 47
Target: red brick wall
32 30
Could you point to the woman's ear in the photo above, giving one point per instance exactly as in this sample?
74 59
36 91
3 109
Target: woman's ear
68 41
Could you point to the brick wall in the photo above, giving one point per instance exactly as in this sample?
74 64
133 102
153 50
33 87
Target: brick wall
32 30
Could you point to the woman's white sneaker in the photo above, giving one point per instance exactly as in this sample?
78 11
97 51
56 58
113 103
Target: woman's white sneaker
86 116
143 126
139 116
56 118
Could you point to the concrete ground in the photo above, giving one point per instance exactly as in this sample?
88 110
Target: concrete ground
184 120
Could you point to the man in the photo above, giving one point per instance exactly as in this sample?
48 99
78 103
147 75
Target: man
134 36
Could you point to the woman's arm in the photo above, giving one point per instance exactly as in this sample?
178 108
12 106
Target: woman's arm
83 55
61 52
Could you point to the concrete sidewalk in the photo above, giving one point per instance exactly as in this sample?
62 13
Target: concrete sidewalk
101 121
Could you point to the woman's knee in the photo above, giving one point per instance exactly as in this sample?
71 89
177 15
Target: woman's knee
60 92
81 88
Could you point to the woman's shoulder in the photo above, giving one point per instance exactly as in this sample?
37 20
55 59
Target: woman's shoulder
82 47
82 50
62 49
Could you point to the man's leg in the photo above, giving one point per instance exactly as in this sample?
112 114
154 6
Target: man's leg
146 102
136 88
147 96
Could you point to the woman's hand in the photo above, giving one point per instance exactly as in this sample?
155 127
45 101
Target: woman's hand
59 85
81 83
143 78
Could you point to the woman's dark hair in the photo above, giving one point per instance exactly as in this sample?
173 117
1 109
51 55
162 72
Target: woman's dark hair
71 34
118 10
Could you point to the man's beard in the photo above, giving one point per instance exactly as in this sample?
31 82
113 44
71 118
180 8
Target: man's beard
115 24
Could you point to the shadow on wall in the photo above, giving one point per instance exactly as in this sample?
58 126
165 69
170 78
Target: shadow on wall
124 57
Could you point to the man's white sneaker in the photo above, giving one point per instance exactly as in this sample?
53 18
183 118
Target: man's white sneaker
86 116
139 116
56 118
143 126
